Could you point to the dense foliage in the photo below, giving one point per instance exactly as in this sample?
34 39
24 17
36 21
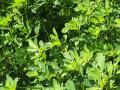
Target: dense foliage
60 44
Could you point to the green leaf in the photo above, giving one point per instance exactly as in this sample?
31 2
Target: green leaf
70 85
118 72
31 49
67 55
93 88
109 69
55 32
32 73
100 59
10 83
37 28
32 44
93 73
74 24
86 55
87 83
56 85
117 22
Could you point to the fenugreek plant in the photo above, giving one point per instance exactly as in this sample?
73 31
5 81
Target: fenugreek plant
59 45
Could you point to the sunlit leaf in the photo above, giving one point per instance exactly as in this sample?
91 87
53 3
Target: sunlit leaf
100 59
32 44
70 85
